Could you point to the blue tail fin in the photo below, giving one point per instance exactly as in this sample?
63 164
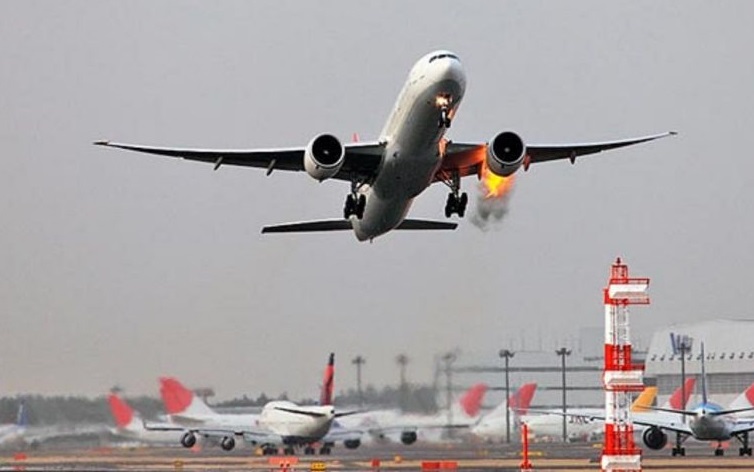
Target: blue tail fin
22 417
704 379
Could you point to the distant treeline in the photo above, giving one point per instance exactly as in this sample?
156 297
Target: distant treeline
44 410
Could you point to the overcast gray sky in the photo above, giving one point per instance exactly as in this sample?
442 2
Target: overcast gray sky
118 267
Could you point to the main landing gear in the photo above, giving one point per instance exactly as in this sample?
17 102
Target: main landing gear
457 201
678 450
745 449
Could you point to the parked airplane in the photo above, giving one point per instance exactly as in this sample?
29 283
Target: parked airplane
708 422
280 423
492 427
129 424
408 428
586 423
22 434
410 154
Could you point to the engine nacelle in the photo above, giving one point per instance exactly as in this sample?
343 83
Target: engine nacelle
505 153
654 438
352 443
324 156
228 443
408 437
188 440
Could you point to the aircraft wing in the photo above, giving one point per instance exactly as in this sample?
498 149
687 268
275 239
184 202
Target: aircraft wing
361 159
742 426
468 158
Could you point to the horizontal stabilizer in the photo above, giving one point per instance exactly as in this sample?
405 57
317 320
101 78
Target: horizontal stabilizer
309 226
426 225
345 225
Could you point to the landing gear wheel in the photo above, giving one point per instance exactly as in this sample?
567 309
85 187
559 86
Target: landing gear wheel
450 206
324 450
360 206
462 202
679 451
444 121
719 451
309 451
289 451
350 207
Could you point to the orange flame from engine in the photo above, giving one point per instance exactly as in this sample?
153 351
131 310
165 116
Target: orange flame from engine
496 185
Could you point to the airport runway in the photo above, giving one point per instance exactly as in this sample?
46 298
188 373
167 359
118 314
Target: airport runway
561 457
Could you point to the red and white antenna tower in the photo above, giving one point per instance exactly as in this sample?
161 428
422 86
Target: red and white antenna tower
621 376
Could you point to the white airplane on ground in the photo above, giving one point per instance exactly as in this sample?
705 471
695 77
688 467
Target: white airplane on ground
408 428
708 422
280 422
491 427
410 154
584 424
129 425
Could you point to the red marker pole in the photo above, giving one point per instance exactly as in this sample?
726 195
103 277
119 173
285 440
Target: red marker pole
525 464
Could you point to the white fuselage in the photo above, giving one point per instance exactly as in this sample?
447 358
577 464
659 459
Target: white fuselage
297 428
708 427
411 135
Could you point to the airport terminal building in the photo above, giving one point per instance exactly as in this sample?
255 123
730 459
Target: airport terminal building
729 349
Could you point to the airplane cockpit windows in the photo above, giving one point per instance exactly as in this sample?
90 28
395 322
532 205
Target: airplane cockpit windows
443 56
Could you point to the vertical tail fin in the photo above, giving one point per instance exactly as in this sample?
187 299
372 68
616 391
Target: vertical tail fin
676 402
326 395
520 401
471 401
644 400
179 400
745 400
122 412
704 378
22 416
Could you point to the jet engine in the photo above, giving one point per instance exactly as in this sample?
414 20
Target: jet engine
188 439
408 437
654 438
324 156
505 153
352 443
228 443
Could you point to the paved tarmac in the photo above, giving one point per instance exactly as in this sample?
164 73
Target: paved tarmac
430 458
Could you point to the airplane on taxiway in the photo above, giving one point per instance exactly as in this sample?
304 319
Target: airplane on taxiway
707 421
411 154
281 423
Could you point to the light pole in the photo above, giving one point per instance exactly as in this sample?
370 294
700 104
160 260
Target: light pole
506 355
402 361
359 361
449 358
563 352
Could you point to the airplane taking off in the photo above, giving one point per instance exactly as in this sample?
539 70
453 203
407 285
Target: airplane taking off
411 154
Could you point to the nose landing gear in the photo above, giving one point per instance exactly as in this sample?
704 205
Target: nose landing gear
355 205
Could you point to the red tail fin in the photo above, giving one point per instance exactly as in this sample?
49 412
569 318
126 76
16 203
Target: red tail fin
122 413
521 400
471 401
750 394
175 396
325 397
675 399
